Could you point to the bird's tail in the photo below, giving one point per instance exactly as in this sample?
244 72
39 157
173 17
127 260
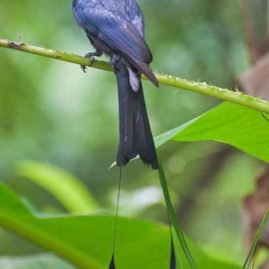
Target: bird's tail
135 133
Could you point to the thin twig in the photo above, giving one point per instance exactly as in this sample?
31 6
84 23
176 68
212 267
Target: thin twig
173 81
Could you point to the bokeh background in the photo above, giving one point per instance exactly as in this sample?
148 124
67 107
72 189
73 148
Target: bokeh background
51 112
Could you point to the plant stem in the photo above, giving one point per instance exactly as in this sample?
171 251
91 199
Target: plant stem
199 87
173 219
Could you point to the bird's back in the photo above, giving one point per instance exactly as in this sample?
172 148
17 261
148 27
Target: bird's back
127 10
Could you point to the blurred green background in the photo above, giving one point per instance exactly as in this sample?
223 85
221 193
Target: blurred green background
51 112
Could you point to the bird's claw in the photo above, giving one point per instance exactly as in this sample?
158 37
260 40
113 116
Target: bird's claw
90 57
83 67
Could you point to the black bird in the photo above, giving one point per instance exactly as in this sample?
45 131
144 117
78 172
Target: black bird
116 28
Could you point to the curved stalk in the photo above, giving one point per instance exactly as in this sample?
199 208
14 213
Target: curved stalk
173 81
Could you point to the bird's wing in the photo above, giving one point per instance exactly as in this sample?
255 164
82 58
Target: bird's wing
126 9
121 36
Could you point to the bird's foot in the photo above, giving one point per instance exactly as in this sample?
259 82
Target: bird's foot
90 57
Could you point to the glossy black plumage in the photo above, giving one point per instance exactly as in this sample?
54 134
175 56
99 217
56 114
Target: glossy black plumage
116 28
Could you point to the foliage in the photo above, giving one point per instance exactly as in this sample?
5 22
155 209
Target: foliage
238 126
86 240
64 235
52 113
65 187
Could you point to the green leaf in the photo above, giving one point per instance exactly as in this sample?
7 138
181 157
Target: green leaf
86 241
73 195
238 126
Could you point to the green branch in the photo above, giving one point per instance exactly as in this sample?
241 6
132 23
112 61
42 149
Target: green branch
203 88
